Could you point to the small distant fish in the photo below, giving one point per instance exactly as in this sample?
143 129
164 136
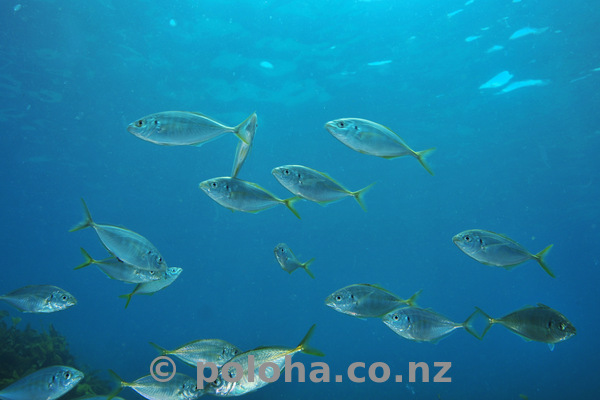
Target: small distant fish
45 384
288 260
379 63
128 246
315 186
266 64
180 387
527 31
494 48
453 13
117 269
172 22
184 128
40 299
424 325
497 250
371 138
262 355
497 81
17 7
149 288
472 38
243 149
364 300
522 84
239 195
215 351
539 323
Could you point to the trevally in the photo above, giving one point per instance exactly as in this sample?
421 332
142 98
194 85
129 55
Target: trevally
45 384
288 260
181 128
371 138
239 195
117 269
497 250
424 325
365 300
180 387
539 323
214 351
149 288
315 186
128 246
40 299
261 355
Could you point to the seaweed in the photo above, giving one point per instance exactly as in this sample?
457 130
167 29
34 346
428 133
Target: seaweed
23 351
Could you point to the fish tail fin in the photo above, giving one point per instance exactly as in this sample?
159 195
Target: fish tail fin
289 203
120 382
468 324
87 222
412 300
163 352
540 259
305 347
88 259
306 265
421 157
245 131
128 297
358 195
489 321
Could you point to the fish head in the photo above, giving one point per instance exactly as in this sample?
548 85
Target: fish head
217 188
64 379
155 259
470 242
343 300
282 253
220 386
560 328
397 320
229 351
173 272
289 176
188 390
60 300
343 129
145 127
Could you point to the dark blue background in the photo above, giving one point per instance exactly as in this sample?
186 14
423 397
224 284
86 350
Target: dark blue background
73 75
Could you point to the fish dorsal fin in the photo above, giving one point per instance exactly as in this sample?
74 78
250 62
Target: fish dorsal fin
379 287
540 305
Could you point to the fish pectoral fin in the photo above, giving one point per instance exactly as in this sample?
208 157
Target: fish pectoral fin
551 346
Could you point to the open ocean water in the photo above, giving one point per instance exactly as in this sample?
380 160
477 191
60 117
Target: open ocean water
524 162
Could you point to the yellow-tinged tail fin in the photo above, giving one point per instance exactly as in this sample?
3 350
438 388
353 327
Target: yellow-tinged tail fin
289 203
304 346
412 300
246 130
305 266
163 352
489 321
540 259
87 222
421 157
468 324
121 383
358 195
88 259
129 296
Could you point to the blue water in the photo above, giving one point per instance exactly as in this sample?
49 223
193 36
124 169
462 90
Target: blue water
524 163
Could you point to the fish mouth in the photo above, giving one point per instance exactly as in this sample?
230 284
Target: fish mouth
205 186
330 126
456 239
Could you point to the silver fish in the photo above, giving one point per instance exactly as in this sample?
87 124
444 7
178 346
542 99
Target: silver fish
185 128
167 278
214 351
371 138
424 325
497 250
527 31
40 299
243 149
276 355
364 300
128 246
315 186
117 269
539 323
288 260
239 195
45 384
180 387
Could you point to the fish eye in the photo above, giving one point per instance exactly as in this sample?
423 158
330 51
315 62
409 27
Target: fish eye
64 297
159 259
67 375
341 124
468 238
338 297
213 184
352 296
155 122
396 317
139 123
286 171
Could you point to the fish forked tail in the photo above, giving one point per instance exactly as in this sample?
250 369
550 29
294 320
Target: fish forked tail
88 259
289 203
87 222
359 194
412 300
162 351
539 257
305 267
304 347
122 384
468 324
421 157
246 130
129 296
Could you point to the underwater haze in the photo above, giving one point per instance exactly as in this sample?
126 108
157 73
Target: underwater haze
521 160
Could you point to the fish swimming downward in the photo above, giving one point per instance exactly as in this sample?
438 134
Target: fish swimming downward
497 250
315 186
185 128
288 260
371 138
538 323
44 384
40 299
